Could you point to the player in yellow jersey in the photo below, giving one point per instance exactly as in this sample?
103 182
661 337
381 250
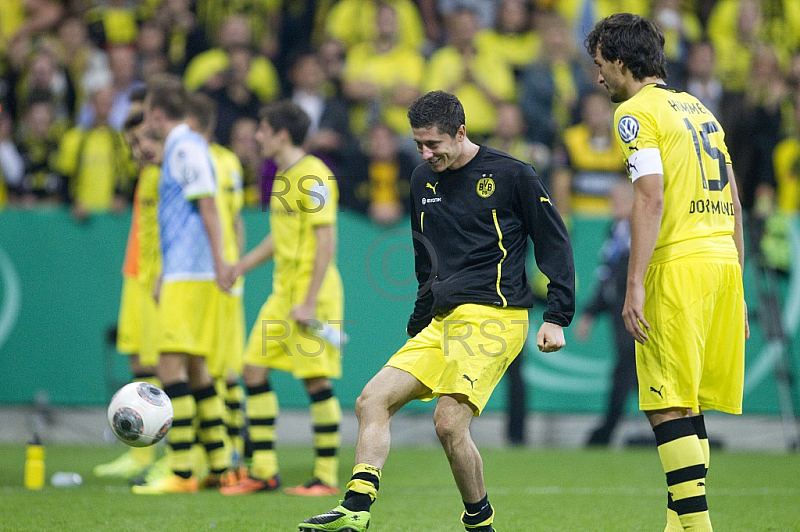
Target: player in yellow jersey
306 290
225 364
137 329
684 303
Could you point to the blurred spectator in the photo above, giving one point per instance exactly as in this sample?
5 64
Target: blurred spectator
43 75
234 99
244 145
509 136
97 161
753 127
611 279
329 134
512 38
588 163
151 41
122 61
86 65
382 77
701 79
485 10
353 22
261 16
388 172
38 135
23 20
332 56
681 28
581 15
479 80
551 88
208 70
787 167
12 167
737 24
114 22
184 37
431 21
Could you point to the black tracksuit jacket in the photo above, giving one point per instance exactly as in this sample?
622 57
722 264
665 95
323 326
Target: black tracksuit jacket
471 229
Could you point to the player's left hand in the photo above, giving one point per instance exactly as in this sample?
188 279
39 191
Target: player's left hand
303 314
550 337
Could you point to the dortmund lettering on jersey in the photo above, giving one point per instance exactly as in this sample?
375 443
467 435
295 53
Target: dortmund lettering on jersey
186 175
305 196
658 122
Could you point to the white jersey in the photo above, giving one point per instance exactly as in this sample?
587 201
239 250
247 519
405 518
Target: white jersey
186 175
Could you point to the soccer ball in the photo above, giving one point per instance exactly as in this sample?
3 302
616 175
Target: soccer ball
140 414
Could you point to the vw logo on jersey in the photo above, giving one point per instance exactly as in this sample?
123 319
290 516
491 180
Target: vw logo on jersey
628 128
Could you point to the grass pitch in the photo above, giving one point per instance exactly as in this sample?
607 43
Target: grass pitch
532 490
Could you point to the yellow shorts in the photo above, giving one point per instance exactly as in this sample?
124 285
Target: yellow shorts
230 335
694 357
465 352
188 314
277 342
137 326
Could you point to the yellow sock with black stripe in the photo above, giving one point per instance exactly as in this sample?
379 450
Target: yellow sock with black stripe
212 432
326 414
262 409
234 416
145 455
478 516
684 464
699 424
362 490
182 435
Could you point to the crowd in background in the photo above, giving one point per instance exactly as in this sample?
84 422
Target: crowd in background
68 68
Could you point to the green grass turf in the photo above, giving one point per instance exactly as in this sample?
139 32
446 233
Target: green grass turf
531 489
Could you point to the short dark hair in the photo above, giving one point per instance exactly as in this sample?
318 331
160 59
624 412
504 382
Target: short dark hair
166 92
287 115
133 120
203 109
440 109
634 40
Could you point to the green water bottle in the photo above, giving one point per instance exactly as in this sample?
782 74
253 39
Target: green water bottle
34 464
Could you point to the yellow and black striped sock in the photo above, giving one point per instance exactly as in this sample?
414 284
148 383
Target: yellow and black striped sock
362 490
262 409
234 416
700 429
145 455
212 432
683 462
326 414
181 436
478 516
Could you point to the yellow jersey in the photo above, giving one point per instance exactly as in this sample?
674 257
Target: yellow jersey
402 65
229 197
304 196
698 214
143 253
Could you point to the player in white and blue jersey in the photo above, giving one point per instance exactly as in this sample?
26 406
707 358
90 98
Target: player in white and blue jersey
192 259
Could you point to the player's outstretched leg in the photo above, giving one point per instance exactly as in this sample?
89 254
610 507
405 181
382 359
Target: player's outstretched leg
340 519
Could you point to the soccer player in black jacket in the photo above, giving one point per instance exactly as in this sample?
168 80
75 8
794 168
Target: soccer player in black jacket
473 209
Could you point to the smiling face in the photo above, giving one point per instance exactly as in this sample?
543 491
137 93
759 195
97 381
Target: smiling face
439 150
